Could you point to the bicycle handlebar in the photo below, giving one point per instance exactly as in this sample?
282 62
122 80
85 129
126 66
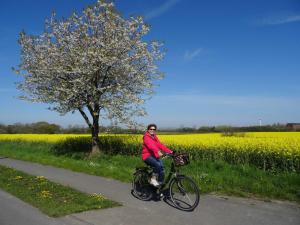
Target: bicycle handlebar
168 155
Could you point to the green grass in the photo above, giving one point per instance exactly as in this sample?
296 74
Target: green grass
51 198
219 177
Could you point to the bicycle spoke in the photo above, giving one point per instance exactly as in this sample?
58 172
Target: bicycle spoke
186 195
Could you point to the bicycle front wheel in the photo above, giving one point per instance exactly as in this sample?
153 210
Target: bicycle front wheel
184 193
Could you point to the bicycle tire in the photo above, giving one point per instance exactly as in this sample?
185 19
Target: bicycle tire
141 187
184 193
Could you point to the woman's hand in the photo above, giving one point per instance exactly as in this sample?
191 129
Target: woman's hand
160 153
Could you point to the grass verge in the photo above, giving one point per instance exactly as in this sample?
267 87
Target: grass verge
53 199
219 177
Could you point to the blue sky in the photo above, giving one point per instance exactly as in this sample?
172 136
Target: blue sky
227 62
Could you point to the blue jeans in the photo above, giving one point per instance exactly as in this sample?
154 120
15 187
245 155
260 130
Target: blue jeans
157 166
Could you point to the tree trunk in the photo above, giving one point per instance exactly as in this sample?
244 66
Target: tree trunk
95 131
95 143
95 137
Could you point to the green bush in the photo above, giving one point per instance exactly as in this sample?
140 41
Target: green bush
77 147
74 147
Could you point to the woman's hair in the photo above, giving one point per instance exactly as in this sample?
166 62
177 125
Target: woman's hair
151 125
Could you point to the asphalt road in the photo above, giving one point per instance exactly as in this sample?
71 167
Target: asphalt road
212 209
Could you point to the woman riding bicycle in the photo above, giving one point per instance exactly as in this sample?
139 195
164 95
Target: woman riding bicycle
151 154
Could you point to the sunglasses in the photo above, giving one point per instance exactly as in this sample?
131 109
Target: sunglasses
152 129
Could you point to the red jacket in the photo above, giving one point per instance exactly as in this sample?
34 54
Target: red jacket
151 146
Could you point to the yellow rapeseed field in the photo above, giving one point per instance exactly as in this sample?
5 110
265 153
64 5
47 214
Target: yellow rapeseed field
267 150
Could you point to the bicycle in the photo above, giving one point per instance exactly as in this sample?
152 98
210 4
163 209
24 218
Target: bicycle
183 190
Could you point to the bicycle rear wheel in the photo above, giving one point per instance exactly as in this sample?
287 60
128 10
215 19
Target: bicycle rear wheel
184 193
141 187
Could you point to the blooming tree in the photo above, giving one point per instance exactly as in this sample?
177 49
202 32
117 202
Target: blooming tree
96 63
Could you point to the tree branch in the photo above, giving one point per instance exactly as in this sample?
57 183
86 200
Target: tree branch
85 118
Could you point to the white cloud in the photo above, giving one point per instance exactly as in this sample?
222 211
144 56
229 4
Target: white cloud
161 9
193 54
280 20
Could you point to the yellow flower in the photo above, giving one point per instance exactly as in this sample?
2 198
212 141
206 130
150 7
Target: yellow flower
98 197
41 178
46 194
18 178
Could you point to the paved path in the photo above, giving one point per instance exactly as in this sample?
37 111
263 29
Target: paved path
212 210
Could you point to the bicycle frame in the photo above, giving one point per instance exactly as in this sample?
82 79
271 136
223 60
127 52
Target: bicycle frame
172 173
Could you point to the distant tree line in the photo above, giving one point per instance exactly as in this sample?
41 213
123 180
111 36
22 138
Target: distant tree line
227 129
32 128
50 128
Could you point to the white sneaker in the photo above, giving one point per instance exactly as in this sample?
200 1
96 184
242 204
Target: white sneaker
154 182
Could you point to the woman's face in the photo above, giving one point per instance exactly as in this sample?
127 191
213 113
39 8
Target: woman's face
152 130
